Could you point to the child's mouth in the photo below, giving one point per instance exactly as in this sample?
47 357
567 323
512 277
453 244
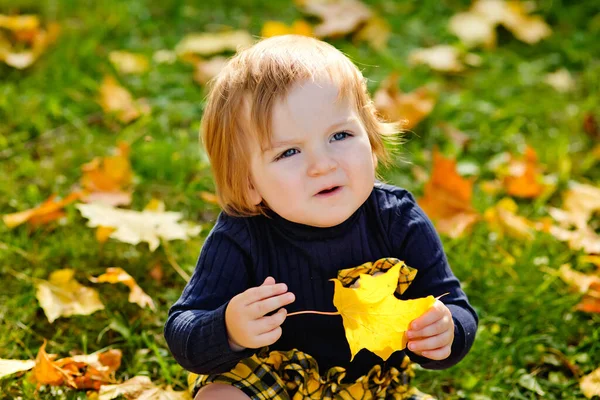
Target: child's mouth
328 191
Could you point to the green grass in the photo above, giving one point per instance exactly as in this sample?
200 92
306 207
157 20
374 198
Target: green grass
51 124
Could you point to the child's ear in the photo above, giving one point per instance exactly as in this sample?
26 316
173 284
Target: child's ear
255 197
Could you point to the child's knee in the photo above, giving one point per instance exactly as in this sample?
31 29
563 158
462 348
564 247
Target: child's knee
220 391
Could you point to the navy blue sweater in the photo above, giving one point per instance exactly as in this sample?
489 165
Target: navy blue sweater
240 253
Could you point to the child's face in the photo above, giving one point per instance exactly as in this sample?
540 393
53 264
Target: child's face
317 144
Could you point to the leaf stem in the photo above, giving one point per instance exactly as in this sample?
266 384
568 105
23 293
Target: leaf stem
313 312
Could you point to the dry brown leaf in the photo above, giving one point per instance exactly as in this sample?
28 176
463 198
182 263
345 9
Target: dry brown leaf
339 17
25 29
406 108
472 29
590 126
134 227
9 367
140 387
105 179
440 58
137 295
277 28
524 178
117 100
205 70
503 218
447 198
48 211
79 372
206 44
376 32
129 63
63 296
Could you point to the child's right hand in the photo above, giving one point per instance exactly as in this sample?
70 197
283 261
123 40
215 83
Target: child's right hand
247 325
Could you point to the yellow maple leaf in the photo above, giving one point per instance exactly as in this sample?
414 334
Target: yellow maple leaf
137 295
590 384
128 63
276 28
63 296
373 317
339 17
9 367
206 44
114 98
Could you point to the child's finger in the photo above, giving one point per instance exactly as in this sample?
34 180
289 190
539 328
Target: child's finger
438 354
431 343
432 315
268 323
265 306
259 293
436 328
268 281
268 338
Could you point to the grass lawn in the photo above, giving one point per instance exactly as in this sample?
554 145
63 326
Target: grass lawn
51 124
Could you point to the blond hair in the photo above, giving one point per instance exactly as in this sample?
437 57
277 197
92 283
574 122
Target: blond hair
241 99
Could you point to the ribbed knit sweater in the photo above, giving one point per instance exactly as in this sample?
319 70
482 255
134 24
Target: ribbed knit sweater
240 253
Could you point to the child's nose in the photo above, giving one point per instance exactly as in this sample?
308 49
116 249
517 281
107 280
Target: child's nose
321 163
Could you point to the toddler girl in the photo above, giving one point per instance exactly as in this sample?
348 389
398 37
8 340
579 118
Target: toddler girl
294 141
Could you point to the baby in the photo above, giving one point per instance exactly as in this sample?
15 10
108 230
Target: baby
294 141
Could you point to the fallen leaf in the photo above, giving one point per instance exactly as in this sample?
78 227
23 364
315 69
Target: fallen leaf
137 295
209 197
339 17
129 63
590 384
140 387
477 25
48 211
407 108
579 280
473 29
25 30
134 227
277 28
105 179
9 367
117 100
373 317
440 58
524 178
579 239
206 44
503 218
376 32
561 80
79 372
458 137
63 296
447 198
205 70
590 126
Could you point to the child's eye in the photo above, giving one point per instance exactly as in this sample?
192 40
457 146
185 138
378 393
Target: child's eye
287 153
340 135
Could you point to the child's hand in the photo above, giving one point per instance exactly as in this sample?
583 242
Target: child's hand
247 325
431 335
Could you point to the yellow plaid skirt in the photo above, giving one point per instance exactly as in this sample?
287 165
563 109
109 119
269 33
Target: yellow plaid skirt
294 375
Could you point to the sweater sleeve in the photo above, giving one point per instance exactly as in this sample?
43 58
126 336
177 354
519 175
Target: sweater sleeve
195 330
417 243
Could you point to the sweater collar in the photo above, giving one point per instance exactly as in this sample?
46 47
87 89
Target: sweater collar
307 232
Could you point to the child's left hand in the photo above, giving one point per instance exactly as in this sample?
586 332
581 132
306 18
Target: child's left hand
431 335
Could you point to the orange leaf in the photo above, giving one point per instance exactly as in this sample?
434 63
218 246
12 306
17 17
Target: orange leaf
79 372
46 212
407 108
137 295
276 28
116 99
447 197
524 179
106 178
